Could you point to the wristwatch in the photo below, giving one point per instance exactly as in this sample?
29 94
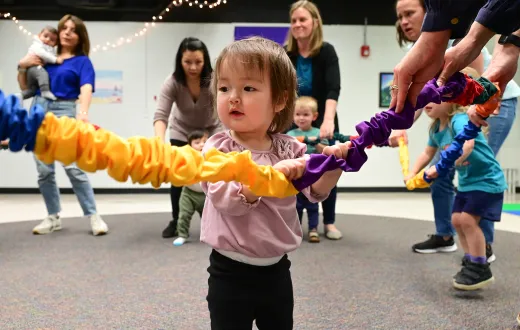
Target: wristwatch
509 39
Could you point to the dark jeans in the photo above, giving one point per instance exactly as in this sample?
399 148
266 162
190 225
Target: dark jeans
175 192
329 207
240 293
313 210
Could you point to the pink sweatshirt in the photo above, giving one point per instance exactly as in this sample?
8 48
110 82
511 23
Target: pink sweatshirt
265 229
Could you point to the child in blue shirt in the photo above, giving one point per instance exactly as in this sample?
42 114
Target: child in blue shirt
305 112
480 191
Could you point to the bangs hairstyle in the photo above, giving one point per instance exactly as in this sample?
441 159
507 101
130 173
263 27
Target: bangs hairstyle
317 31
83 46
401 37
193 44
263 55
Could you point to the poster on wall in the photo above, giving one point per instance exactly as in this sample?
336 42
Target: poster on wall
275 33
109 87
385 81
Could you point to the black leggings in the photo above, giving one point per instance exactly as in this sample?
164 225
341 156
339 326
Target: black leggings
175 192
239 294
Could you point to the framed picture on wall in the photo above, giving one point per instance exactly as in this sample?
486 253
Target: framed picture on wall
385 81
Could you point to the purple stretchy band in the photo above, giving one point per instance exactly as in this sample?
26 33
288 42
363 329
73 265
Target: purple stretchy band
378 130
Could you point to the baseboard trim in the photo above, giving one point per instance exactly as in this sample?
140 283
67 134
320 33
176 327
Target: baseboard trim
125 191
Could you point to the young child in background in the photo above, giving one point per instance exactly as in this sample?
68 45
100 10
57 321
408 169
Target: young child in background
37 77
254 86
305 112
480 190
192 197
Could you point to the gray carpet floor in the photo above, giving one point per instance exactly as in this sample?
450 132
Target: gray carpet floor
134 279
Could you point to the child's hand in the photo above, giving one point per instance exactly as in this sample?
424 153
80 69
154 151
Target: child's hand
459 163
431 173
409 177
292 168
340 150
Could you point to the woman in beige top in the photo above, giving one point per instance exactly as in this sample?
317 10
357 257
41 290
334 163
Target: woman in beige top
188 89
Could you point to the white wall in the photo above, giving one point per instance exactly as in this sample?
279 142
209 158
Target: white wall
147 61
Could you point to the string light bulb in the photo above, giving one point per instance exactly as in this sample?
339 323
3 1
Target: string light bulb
121 40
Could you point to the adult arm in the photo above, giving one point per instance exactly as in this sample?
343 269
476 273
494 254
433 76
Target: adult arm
22 80
478 64
333 87
167 97
87 78
504 63
449 19
500 16
45 55
501 70
25 63
85 99
453 15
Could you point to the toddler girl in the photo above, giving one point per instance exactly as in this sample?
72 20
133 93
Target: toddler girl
254 87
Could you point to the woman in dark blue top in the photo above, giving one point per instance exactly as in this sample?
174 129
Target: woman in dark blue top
318 74
70 81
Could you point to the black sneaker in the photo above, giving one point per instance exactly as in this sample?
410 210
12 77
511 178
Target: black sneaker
171 230
473 276
435 244
489 255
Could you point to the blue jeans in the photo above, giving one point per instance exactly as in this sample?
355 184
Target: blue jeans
313 210
46 172
443 195
443 191
499 127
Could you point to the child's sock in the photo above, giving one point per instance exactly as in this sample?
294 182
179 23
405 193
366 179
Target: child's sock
466 256
478 260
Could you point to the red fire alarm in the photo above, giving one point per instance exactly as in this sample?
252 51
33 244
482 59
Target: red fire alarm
365 49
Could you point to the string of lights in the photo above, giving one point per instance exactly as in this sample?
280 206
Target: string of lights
131 37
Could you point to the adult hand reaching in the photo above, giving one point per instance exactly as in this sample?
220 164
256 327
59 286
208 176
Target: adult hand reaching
327 129
466 51
503 65
420 65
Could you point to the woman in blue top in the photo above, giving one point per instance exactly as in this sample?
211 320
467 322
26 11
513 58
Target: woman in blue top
410 16
70 81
